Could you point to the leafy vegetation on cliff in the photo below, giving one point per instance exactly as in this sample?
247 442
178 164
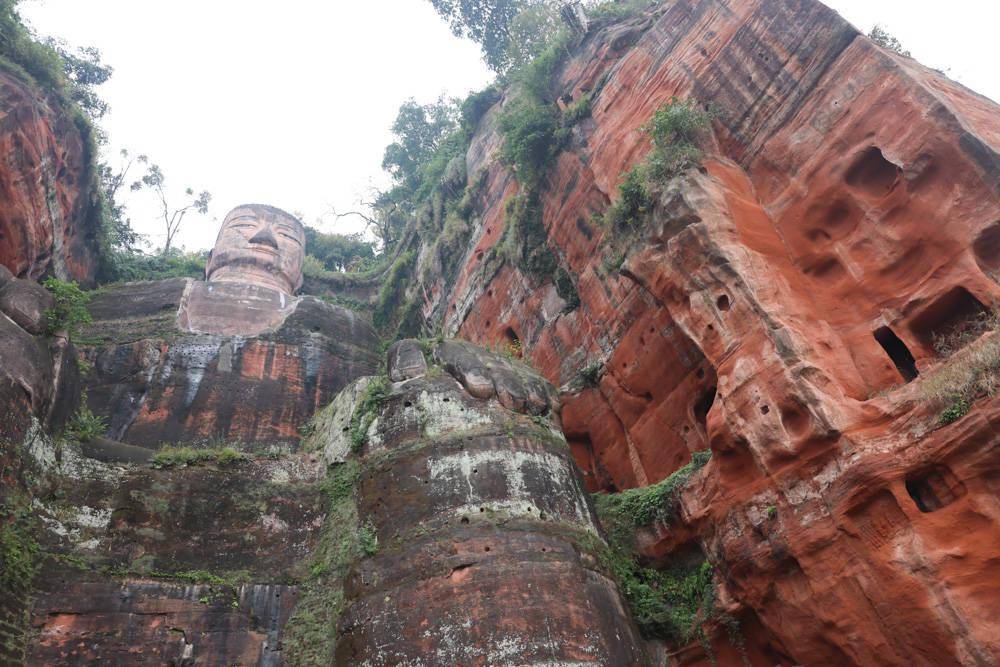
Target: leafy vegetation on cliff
667 603
675 131
69 311
311 632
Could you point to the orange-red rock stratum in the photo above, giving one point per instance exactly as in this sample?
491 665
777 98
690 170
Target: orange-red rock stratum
781 307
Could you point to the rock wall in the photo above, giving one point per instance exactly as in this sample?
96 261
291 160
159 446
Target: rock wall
781 307
158 381
196 565
482 543
48 219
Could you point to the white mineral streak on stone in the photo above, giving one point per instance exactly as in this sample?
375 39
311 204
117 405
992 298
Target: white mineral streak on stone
333 424
74 521
42 451
195 357
273 524
446 416
460 469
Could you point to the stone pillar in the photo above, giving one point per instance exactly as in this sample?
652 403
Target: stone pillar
480 540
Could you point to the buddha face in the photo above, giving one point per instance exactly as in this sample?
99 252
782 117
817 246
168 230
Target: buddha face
259 245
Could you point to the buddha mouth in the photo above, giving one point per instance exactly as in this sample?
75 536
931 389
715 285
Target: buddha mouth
262 248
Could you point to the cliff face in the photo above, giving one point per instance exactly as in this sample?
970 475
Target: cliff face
48 225
160 381
781 307
787 365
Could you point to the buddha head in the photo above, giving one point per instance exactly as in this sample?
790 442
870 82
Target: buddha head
259 245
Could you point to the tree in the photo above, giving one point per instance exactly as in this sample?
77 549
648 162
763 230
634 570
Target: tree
85 71
881 36
419 131
487 22
338 252
122 236
171 216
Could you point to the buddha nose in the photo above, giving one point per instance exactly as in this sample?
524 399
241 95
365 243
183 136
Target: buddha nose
265 237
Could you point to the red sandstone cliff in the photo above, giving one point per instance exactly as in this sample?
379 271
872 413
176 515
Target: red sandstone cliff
48 225
775 310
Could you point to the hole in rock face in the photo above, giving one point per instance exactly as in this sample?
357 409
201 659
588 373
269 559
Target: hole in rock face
795 417
898 352
513 343
826 268
465 519
872 174
935 488
479 256
722 303
703 405
953 319
764 409
986 248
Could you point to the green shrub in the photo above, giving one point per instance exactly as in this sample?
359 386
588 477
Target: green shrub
70 309
618 10
532 139
591 375
367 410
658 502
955 411
577 111
633 199
675 129
84 425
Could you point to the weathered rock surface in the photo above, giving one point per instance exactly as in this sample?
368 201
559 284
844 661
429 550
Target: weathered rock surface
267 364
48 222
780 307
38 373
197 565
483 532
25 302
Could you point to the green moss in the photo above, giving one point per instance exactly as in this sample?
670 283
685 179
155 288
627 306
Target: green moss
393 287
643 506
176 457
669 603
958 409
19 552
311 632
70 309
366 411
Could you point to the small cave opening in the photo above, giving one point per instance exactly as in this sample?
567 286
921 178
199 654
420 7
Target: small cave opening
872 174
898 353
953 319
986 248
512 343
703 405
722 303
934 488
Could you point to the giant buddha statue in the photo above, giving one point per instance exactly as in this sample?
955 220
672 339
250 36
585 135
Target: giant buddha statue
237 356
259 245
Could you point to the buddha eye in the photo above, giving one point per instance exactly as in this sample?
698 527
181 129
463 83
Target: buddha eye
241 226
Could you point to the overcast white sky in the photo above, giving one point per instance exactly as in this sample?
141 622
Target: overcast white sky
290 103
